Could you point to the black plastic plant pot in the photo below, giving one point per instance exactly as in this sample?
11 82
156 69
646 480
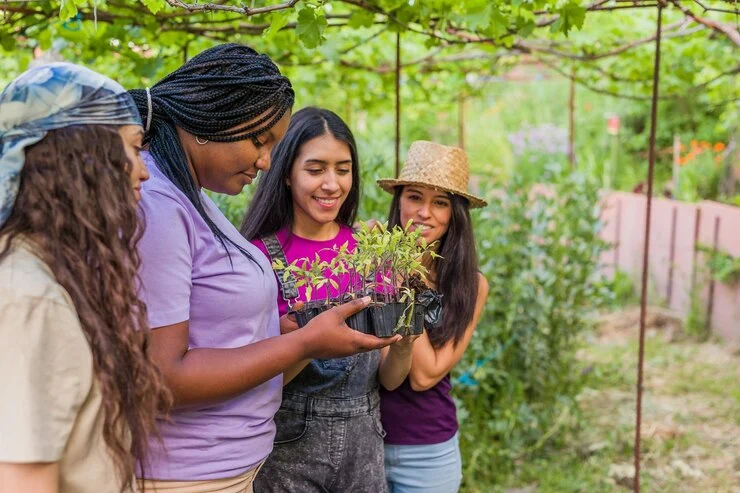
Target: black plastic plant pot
310 311
384 318
410 320
305 315
401 325
360 322
417 322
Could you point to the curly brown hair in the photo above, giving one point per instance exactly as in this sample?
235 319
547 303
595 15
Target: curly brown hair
76 204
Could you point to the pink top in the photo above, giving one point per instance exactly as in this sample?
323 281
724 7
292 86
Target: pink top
296 248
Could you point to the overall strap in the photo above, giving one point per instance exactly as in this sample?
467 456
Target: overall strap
288 287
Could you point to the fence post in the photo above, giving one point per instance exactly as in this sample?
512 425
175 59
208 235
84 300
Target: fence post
672 254
618 234
712 282
646 252
694 269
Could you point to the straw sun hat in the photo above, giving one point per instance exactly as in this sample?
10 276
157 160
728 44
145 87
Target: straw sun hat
435 166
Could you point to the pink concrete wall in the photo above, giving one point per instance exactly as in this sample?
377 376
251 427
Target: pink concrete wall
662 244
631 233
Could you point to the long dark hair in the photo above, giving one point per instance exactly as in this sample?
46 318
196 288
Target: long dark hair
221 88
272 206
456 272
76 206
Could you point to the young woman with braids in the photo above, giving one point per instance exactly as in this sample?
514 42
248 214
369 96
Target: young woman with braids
79 391
211 295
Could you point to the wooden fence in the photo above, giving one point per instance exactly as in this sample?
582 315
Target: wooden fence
678 274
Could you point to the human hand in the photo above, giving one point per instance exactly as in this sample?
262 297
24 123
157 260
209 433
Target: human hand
288 323
404 345
328 336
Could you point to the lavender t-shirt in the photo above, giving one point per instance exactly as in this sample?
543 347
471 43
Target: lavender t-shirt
186 275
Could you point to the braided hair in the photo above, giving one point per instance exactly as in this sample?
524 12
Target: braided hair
215 95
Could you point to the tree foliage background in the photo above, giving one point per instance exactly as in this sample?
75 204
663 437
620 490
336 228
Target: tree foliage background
341 54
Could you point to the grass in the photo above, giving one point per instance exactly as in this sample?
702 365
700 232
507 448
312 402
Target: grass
691 421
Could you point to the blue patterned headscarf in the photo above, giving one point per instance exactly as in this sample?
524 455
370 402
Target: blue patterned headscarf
50 97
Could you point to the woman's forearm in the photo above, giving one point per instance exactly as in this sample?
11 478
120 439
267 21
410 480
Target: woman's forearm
211 375
39 477
395 364
294 370
203 375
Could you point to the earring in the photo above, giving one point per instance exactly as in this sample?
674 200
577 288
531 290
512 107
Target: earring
205 141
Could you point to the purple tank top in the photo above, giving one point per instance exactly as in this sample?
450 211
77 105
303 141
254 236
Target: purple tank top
418 418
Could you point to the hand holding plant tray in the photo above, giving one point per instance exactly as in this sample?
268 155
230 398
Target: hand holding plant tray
386 265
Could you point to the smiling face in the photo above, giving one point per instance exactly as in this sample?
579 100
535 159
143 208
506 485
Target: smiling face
320 180
429 210
131 135
227 167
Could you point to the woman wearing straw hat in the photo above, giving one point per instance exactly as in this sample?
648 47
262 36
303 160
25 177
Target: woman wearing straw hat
422 451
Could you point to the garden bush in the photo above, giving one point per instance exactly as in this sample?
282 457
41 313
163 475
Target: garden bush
517 384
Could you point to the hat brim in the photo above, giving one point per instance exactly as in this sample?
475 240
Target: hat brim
389 184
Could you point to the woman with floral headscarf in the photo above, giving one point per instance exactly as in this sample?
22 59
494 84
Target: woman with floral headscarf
78 389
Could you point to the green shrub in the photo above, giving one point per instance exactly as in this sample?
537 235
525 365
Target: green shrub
517 383
700 179
622 289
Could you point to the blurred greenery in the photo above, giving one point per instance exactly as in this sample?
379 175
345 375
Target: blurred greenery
517 382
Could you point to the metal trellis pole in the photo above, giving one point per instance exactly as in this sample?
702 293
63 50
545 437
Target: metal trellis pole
398 103
646 252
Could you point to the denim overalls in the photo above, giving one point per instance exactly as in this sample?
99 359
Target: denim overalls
329 435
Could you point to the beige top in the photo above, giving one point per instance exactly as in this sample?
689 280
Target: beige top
50 404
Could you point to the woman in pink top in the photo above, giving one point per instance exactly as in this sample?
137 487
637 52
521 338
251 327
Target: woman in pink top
329 436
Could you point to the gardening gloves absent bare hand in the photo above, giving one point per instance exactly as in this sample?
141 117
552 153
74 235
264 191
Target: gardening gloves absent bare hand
404 346
328 336
288 322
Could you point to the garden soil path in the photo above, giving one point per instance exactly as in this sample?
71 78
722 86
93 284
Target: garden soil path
691 403
691 415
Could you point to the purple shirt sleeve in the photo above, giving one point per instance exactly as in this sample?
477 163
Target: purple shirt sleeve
167 259
258 243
